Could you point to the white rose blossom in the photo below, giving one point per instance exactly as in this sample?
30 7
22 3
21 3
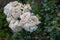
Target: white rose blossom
15 26
25 17
9 18
27 8
19 16
30 21
16 12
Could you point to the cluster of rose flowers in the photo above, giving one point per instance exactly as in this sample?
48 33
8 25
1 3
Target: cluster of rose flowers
19 17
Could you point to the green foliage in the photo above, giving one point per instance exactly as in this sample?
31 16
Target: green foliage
49 29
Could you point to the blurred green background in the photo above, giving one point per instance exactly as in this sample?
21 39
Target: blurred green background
49 14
